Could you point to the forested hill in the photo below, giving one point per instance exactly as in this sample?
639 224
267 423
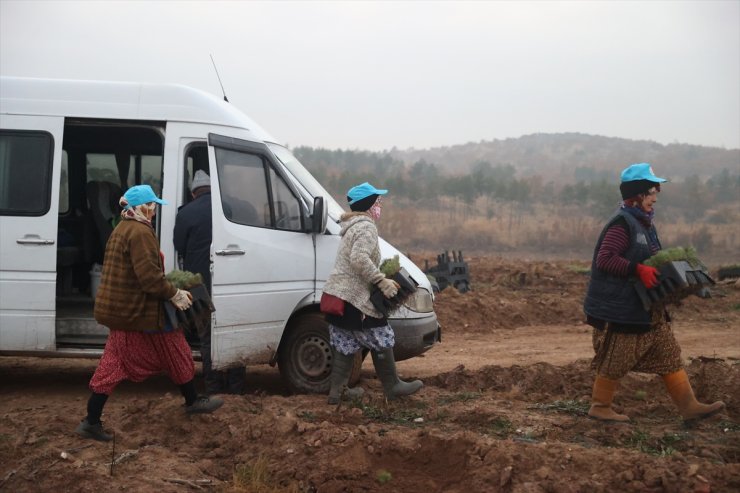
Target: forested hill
537 193
561 158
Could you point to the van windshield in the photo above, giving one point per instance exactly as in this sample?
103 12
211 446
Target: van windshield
306 180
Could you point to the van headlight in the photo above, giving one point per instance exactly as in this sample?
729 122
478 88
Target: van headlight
420 301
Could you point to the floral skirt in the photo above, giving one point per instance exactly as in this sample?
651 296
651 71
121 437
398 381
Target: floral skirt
349 342
136 356
655 351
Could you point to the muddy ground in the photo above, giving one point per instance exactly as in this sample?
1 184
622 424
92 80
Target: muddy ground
502 410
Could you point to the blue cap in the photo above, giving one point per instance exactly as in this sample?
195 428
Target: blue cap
363 191
141 194
640 171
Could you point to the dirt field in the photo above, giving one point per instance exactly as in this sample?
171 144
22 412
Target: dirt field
503 409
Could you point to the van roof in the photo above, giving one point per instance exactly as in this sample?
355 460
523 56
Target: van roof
120 101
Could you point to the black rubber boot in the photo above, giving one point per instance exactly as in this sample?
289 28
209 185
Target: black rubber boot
385 367
341 367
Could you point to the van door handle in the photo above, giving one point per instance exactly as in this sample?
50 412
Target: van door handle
230 251
34 240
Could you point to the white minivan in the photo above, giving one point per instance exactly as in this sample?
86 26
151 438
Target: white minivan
68 151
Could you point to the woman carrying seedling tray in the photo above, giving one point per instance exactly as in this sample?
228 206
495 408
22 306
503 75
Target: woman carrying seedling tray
129 302
626 337
354 322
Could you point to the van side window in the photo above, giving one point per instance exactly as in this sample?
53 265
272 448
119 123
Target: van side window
25 172
241 178
253 194
287 210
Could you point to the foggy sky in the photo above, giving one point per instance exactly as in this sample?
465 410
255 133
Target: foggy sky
420 74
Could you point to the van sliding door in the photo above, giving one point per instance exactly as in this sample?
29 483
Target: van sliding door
263 260
30 163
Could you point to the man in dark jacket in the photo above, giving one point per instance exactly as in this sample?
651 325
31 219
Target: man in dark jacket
192 237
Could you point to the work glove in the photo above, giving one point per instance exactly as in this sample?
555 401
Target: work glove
182 299
648 275
388 287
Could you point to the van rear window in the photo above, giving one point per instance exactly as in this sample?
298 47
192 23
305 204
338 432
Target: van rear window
25 172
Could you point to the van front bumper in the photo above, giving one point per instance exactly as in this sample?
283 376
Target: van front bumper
415 335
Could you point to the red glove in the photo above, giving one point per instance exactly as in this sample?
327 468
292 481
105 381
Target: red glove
648 275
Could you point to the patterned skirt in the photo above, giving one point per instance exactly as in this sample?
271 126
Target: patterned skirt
349 342
137 356
655 351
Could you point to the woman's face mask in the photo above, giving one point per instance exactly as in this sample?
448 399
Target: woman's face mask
374 211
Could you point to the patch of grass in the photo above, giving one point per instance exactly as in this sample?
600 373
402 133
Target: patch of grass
501 427
579 269
307 415
664 446
255 478
459 397
728 426
576 408
402 416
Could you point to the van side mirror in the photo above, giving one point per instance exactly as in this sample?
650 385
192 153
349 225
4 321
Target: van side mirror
319 216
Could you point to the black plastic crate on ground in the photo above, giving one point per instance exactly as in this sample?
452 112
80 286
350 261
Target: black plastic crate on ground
196 318
407 287
678 279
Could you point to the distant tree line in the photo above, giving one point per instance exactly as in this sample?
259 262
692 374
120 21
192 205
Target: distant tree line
423 183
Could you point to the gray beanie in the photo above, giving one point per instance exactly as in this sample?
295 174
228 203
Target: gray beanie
201 179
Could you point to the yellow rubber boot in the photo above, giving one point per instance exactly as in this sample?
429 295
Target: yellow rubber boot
601 401
680 390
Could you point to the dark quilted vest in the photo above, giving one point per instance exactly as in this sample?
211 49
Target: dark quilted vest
614 299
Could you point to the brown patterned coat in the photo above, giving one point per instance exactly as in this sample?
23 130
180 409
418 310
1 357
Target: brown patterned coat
132 285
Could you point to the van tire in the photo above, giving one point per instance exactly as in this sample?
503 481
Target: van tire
305 356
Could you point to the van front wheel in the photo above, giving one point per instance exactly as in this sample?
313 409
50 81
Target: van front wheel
305 356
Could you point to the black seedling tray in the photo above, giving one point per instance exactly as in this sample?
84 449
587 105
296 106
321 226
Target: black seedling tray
407 288
677 280
196 318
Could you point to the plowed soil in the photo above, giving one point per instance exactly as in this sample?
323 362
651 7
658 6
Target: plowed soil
502 410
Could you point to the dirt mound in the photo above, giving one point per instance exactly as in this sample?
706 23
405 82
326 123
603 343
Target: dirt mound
530 382
507 294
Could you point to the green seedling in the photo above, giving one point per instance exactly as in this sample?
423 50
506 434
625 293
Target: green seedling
183 279
674 254
390 266
383 476
640 395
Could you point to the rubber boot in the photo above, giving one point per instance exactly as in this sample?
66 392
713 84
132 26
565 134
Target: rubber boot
680 390
341 367
385 367
601 401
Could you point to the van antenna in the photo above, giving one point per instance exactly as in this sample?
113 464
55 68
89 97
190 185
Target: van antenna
219 78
